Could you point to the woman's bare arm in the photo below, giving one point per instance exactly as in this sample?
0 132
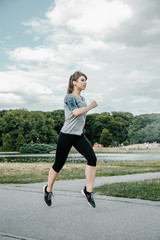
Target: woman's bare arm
79 111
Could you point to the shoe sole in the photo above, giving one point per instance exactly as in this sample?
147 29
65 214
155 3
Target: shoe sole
44 188
86 198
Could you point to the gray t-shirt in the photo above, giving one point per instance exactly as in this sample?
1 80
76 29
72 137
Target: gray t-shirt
73 125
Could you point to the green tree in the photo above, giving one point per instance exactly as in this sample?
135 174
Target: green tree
106 137
144 128
58 117
97 129
151 133
32 125
2 129
99 122
90 120
123 120
20 141
51 134
117 123
7 143
44 126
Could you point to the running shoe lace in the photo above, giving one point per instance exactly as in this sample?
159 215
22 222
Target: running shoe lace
91 196
50 195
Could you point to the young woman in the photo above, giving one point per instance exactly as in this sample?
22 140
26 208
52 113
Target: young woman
72 135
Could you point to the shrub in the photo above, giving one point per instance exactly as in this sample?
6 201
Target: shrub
37 148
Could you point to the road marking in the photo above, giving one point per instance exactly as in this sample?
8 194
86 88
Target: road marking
14 236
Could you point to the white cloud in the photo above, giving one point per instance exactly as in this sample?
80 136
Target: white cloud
22 82
23 89
39 25
92 44
155 28
37 54
93 66
88 16
116 43
141 100
9 98
36 38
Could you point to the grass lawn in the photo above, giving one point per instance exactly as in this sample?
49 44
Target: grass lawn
38 172
148 189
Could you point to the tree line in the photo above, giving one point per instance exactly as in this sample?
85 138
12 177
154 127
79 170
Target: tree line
19 127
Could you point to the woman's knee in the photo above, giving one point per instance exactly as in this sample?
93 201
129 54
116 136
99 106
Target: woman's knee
92 161
57 167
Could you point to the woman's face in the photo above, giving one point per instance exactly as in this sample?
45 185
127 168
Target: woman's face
80 83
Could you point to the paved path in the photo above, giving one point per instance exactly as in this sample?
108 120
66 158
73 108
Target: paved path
23 214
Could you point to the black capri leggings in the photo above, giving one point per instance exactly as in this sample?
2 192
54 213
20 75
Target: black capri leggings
64 144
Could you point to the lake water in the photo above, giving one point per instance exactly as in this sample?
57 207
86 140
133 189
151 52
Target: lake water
76 157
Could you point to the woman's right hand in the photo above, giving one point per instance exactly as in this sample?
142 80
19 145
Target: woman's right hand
93 104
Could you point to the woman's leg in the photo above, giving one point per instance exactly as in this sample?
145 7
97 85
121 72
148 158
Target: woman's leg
85 148
90 173
51 179
64 145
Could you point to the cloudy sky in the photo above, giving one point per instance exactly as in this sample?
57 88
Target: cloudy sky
116 43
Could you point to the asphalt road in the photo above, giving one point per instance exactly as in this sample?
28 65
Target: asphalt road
24 215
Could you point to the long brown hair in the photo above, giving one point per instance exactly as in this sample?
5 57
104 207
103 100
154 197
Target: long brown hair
72 78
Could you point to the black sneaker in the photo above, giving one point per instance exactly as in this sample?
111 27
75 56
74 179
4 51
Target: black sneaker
47 196
89 197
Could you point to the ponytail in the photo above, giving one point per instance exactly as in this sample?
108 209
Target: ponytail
70 85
